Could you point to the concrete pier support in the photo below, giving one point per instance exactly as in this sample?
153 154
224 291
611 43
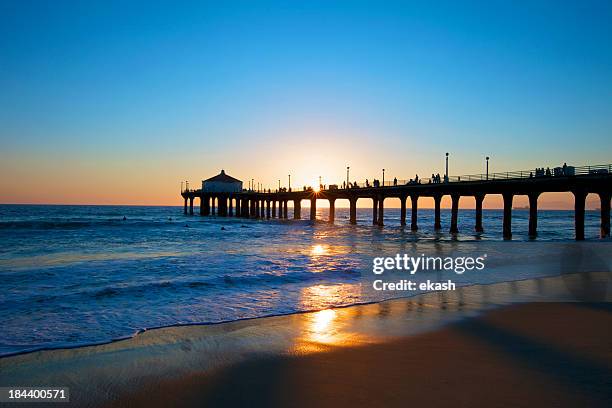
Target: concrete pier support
203 206
231 207
374 211
353 210
285 209
238 213
280 209
604 199
437 223
185 209
454 213
533 214
253 212
313 209
332 210
579 203
268 209
223 206
381 211
413 217
190 205
507 227
479 199
273 208
403 210
297 209
244 213
262 207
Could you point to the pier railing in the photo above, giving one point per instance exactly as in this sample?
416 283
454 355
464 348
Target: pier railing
540 172
560 171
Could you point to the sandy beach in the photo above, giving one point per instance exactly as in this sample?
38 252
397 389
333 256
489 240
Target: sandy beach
522 343
538 354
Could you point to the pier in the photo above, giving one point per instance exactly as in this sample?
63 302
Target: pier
580 181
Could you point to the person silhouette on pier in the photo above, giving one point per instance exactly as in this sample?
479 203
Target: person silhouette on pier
395 181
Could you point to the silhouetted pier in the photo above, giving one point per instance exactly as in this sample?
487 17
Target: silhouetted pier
274 204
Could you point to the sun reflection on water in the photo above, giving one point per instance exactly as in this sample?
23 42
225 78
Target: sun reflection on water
318 250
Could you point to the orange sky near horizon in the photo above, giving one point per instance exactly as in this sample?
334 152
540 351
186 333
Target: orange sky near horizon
123 178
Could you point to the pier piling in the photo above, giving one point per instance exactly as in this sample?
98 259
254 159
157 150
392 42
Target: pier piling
579 202
533 215
414 199
353 210
313 209
437 224
507 221
381 211
604 199
454 213
479 199
297 209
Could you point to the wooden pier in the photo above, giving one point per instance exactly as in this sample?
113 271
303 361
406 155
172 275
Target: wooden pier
274 204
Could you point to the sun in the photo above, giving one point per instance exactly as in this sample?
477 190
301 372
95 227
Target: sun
316 188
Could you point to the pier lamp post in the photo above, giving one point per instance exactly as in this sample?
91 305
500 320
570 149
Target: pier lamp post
320 183
279 185
383 181
289 182
252 184
446 177
487 167
347 176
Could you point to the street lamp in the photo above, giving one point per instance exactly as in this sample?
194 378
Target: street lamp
289 182
383 183
279 185
487 167
320 183
347 176
446 176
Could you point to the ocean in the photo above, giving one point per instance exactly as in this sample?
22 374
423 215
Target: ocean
78 275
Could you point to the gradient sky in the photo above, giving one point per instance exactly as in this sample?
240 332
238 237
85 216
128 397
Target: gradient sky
117 102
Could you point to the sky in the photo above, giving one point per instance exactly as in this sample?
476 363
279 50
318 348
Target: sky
118 102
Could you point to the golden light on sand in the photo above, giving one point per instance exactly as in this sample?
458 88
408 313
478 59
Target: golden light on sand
322 320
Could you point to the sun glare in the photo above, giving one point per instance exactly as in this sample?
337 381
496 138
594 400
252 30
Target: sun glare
318 250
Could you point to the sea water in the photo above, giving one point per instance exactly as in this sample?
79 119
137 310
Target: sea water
77 275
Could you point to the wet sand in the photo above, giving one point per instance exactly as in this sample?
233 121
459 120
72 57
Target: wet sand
508 344
538 354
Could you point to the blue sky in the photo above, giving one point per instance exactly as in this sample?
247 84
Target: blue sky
116 97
